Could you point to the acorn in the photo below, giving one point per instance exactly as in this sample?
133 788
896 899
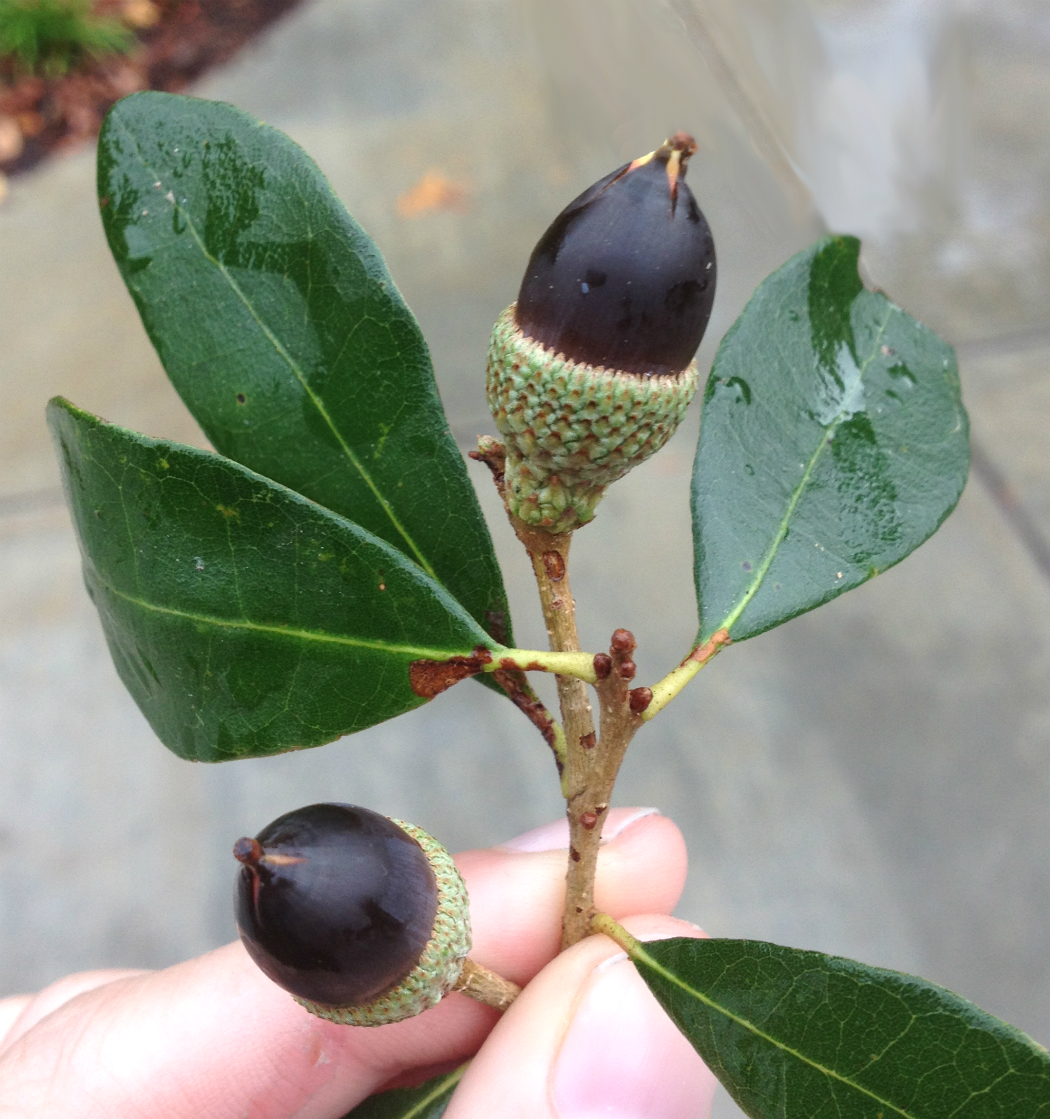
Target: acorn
591 370
363 919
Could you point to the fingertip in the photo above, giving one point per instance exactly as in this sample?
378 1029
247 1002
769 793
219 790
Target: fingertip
587 1038
555 835
34 1008
11 1009
643 869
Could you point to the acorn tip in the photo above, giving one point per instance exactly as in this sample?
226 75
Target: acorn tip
247 851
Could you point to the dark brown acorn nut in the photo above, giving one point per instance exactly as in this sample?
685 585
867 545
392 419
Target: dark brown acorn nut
591 370
363 919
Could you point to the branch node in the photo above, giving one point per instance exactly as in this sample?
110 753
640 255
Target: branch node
494 455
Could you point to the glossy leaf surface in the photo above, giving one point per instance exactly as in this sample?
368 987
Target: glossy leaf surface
243 618
281 328
428 1100
795 1034
833 442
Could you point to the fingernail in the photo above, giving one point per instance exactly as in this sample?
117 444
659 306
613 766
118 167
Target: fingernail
555 837
623 1058
620 819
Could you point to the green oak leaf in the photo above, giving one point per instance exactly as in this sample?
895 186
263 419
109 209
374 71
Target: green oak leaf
833 442
243 618
801 1035
281 328
428 1100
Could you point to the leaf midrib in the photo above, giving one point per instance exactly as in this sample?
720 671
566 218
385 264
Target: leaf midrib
639 953
450 1081
296 371
418 651
826 433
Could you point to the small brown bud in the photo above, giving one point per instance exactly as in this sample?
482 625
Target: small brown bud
623 642
639 699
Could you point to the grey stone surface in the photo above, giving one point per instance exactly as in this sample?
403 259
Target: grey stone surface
871 779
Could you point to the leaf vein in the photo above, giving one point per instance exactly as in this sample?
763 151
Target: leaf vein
298 374
767 561
639 953
417 651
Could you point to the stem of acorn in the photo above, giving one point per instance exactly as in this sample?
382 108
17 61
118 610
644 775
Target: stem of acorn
592 775
590 764
549 553
486 986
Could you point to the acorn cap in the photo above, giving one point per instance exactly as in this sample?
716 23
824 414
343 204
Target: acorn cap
591 371
363 919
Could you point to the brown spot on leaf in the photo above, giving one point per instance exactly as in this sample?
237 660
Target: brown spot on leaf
703 653
430 678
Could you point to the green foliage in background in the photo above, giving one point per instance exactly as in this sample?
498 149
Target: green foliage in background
49 38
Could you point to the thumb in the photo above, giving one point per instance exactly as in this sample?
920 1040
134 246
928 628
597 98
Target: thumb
586 1039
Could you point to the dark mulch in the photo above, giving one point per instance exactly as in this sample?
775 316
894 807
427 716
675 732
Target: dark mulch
187 38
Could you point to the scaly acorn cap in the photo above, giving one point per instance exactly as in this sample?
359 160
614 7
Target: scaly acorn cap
591 371
365 920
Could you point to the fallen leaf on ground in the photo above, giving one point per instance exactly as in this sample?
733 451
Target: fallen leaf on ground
434 191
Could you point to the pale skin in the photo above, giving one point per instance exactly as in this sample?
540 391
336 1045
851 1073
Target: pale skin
212 1038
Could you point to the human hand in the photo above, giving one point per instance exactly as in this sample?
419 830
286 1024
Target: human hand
213 1038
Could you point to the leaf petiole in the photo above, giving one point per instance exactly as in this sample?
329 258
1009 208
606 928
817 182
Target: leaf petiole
666 689
603 923
578 665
